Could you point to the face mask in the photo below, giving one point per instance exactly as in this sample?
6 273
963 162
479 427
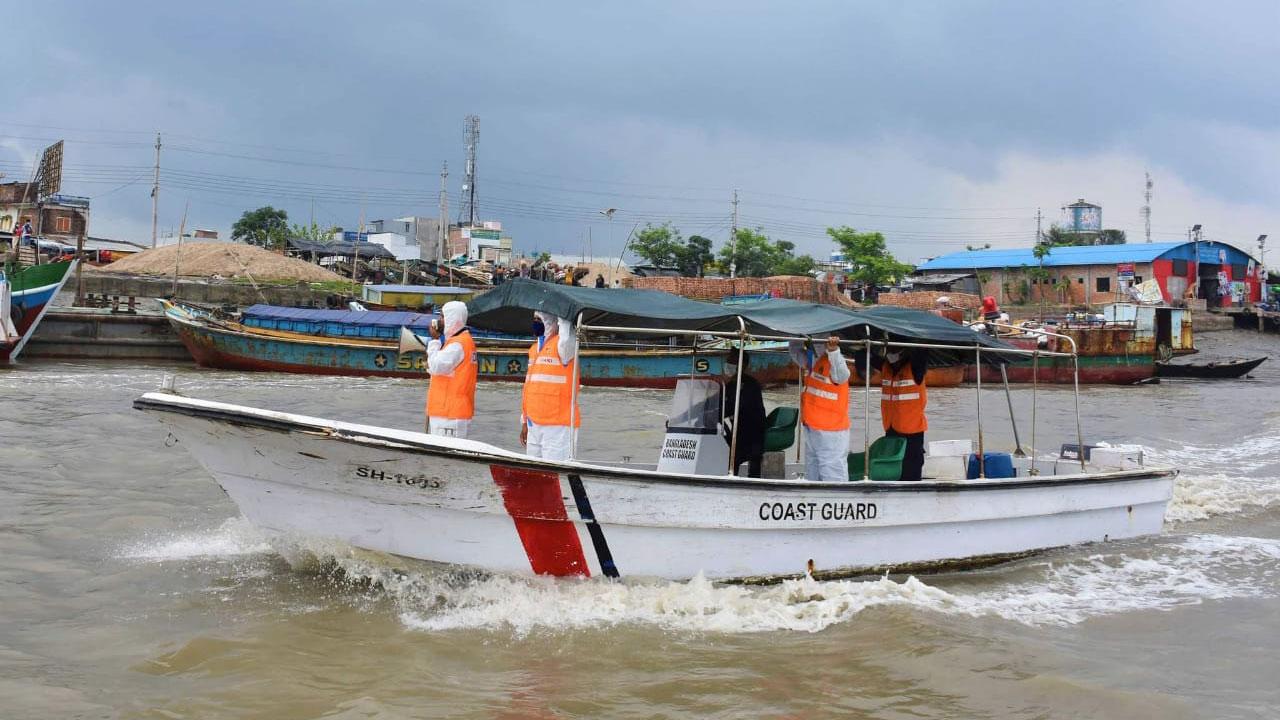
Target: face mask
538 328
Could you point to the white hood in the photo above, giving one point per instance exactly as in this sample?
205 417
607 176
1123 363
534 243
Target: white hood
454 314
550 323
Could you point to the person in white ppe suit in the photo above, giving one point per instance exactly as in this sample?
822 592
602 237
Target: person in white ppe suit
451 360
824 409
549 415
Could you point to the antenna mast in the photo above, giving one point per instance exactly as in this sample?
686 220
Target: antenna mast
1146 209
469 210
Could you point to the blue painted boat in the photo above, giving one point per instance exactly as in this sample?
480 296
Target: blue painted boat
235 346
363 324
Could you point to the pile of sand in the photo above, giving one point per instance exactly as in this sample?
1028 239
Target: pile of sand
224 259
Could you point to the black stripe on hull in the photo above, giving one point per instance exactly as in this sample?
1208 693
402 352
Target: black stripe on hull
597 533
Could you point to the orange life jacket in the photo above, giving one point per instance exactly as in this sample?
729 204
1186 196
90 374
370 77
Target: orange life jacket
824 404
902 400
548 387
453 396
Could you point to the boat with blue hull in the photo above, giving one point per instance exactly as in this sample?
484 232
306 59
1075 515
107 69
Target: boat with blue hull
232 345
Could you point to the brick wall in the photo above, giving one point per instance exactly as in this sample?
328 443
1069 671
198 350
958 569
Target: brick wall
715 289
927 299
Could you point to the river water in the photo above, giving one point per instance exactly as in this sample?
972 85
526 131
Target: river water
130 588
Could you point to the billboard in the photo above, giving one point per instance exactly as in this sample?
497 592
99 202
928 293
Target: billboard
50 173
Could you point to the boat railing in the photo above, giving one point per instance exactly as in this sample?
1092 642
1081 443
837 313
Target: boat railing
743 336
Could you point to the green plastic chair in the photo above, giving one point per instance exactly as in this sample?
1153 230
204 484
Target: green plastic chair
886 460
780 428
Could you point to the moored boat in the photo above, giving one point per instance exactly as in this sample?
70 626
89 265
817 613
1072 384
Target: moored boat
470 503
1222 369
25 296
368 352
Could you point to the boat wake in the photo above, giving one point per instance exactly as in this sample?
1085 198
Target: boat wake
1057 590
1177 572
233 538
1222 480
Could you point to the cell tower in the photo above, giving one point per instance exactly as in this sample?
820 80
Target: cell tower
1146 209
468 211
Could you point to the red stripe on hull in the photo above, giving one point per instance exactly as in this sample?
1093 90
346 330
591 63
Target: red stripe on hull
536 505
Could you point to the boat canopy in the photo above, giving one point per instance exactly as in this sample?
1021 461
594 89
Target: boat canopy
507 308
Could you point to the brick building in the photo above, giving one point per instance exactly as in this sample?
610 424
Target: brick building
62 218
1098 274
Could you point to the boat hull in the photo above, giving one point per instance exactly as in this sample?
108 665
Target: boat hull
219 347
1220 370
32 291
469 503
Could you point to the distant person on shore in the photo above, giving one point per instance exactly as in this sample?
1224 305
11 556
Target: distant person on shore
600 281
824 409
524 270
549 414
451 360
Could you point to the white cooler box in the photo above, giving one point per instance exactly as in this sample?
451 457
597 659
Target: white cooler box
945 467
1116 457
951 447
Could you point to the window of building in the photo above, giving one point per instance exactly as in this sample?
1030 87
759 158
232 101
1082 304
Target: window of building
1180 268
1137 279
62 225
1080 280
1238 272
1104 284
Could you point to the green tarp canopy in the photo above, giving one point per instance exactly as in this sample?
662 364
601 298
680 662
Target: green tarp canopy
508 308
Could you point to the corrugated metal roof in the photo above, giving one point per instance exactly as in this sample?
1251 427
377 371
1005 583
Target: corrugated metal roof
1059 256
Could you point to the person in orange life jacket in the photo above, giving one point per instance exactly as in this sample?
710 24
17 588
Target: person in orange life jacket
750 417
451 360
824 410
903 397
549 405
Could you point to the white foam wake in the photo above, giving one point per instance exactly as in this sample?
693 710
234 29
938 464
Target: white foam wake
233 537
1175 573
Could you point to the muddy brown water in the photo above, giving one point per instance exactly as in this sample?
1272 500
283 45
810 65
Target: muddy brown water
129 587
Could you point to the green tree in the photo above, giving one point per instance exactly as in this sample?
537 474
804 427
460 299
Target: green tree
753 254
870 258
1040 276
1112 237
1060 236
265 227
660 245
313 233
694 255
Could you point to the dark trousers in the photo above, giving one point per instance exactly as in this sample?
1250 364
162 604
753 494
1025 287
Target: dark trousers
913 460
753 463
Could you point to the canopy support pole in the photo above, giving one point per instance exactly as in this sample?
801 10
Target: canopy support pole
1017 442
1075 372
866 413
799 413
1035 386
573 391
982 464
737 398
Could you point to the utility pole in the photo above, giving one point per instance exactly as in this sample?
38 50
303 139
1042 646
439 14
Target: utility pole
733 239
1039 234
155 194
355 260
1146 209
443 223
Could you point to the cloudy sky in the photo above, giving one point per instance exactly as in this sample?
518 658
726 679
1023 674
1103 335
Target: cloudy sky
941 124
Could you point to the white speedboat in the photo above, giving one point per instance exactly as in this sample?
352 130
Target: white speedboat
470 503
